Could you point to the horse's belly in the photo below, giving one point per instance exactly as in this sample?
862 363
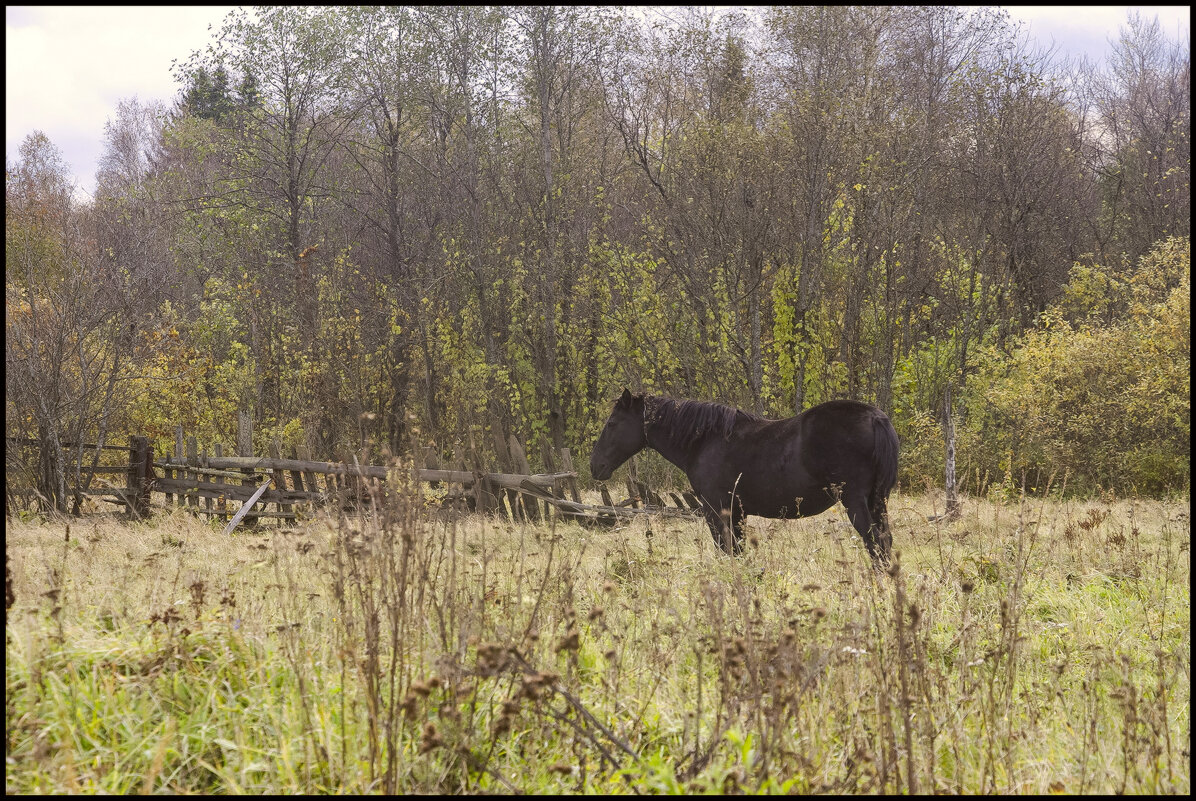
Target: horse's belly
783 505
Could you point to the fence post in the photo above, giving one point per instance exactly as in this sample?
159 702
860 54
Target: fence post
606 499
245 448
132 480
178 458
303 453
203 462
140 478
280 477
193 461
485 493
147 474
221 502
559 486
297 480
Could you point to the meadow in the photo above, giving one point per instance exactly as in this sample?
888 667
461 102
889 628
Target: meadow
1033 645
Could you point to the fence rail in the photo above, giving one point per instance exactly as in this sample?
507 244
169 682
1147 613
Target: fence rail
221 486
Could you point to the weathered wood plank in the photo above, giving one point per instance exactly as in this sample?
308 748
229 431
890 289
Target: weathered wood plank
203 459
180 456
567 465
245 446
192 458
501 480
64 443
309 477
619 511
222 501
530 507
244 510
280 479
215 467
234 492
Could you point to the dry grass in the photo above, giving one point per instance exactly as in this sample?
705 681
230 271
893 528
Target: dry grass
1034 647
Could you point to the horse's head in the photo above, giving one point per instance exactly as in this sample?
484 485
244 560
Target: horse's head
622 437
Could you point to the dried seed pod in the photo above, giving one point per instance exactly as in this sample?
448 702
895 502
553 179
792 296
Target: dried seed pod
571 642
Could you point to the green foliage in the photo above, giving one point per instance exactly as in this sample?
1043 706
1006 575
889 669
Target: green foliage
448 226
922 450
1108 404
196 373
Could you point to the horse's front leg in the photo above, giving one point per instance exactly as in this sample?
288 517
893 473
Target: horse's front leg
726 527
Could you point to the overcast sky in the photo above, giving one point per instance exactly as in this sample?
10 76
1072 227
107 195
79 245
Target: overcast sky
67 67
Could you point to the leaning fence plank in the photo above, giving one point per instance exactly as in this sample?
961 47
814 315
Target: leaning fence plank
567 466
645 492
633 495
606 499
485 498
530 507
244 510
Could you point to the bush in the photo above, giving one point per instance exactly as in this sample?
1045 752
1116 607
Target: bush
1107 404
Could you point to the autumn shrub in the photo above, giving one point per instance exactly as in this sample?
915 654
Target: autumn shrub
1100 391
921 455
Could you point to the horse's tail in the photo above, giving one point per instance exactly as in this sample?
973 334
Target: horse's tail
884 458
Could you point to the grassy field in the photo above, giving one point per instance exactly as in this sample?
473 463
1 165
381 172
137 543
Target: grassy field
1032 647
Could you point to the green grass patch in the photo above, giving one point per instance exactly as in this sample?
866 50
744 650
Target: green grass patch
1037 647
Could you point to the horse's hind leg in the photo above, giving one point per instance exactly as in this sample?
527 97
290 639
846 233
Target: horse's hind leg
880 525
860 515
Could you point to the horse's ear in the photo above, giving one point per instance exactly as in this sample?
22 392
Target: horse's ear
625 399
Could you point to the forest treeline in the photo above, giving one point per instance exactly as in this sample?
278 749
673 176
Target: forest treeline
451 226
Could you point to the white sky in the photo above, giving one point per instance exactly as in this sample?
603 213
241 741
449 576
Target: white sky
66 67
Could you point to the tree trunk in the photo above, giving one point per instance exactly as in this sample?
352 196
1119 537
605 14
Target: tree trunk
952 511
51 473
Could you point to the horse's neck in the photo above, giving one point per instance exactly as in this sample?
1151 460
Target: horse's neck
666 447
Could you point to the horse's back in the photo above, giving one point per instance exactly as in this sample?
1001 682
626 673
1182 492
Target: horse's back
843 411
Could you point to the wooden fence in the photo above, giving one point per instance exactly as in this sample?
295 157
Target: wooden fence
137 474
217 485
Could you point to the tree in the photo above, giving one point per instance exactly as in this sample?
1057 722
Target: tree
71 317
1141 141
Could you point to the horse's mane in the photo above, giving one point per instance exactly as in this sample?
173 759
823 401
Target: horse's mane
685 422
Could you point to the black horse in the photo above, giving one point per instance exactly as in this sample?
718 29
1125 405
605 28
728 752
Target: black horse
743 464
